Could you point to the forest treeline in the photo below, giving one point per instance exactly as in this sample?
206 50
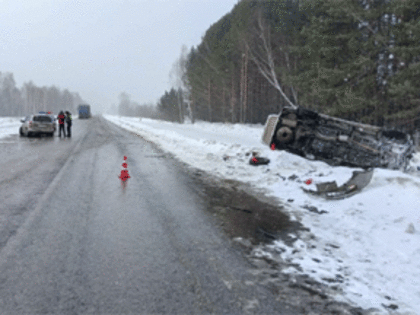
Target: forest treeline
30 98
354 59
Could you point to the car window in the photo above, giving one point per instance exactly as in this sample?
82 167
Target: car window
42 119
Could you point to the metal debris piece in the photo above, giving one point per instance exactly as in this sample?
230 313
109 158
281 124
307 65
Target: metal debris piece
292 177
354 185
327 186
314 209
410 229
256 160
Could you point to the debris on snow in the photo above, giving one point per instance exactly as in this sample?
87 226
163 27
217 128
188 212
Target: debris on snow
410 229
258 161
329 190
314 209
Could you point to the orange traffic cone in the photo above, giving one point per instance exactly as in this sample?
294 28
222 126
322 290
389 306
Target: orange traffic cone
124 172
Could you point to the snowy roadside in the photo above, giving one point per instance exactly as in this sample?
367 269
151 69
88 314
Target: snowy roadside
363 246
10 125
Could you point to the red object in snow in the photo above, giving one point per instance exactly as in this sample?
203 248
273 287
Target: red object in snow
124 165
125 158
273 146
124 175
309 181
254 160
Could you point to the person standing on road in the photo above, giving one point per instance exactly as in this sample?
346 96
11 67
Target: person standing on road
61 118
68 122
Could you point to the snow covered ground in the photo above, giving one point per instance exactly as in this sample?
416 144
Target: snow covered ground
9 126
364 245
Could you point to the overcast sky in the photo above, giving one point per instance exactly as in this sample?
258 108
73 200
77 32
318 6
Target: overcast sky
100 48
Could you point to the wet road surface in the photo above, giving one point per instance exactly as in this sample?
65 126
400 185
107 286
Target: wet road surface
73 240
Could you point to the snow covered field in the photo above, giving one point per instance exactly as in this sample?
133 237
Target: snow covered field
9 126
365 245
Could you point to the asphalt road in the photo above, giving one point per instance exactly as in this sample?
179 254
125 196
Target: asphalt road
74 240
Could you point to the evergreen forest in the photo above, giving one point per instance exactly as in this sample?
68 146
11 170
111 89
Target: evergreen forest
353 59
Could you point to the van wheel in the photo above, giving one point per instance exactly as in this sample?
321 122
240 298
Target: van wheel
284 135
20 131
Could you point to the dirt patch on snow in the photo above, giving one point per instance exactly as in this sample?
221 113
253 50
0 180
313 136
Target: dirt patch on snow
250 219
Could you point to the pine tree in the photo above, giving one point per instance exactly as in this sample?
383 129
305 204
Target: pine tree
404 88
329 58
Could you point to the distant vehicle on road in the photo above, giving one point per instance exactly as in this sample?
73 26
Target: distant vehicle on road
37 124
84 111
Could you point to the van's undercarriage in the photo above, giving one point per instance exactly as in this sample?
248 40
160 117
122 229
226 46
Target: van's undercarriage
337 141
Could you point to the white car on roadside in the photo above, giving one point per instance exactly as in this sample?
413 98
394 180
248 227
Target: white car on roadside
37 124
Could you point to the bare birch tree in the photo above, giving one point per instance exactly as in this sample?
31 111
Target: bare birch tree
179 80
262 55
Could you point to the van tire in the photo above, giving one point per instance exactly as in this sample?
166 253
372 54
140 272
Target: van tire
284 135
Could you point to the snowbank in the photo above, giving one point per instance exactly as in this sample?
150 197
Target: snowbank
9 126
367 246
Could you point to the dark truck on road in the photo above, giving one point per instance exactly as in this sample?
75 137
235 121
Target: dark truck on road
84 111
